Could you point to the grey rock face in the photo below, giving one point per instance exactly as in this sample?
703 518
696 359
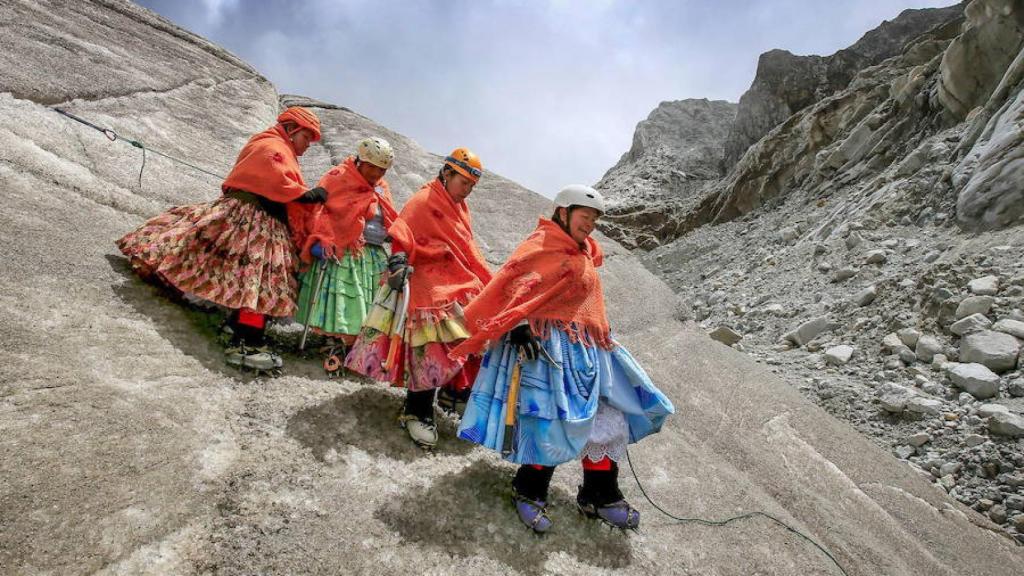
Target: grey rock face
785 83
975 62
675 151
884 132
656 198
981 68
995 350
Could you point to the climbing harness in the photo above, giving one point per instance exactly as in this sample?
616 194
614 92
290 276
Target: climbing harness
114 136
707 522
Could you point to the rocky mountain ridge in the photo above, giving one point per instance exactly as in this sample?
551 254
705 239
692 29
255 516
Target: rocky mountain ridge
785 83
686 135
870 248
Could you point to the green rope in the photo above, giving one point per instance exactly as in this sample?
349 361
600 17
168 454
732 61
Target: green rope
114 136
705 522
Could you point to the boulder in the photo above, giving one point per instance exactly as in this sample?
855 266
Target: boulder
974 305
839 355
865 296
892 343
986 286
726 335
909 336
995 350
844 274
1006 424
809 330
924 405
972 440
1009 326
876 257
988 410
970 324
1016 388
894 401
919 439
977 379
927 347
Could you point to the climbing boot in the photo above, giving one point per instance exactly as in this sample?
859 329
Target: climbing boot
618 514
599 498
530 494
422 430
532 513
260 359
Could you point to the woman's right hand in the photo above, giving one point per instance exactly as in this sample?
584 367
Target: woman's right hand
313 196
398 270
525 342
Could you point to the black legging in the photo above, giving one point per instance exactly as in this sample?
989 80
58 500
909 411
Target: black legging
420 404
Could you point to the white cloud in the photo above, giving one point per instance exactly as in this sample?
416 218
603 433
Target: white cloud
546 92
215 10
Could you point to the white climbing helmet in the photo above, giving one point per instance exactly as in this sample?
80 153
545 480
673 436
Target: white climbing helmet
579 195
376 151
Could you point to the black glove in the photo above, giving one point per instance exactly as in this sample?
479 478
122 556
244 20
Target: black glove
398 270
526 344
313 196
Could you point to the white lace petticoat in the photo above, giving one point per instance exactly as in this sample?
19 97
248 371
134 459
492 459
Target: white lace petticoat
609 435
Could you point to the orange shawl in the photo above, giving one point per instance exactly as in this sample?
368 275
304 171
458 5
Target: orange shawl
437 235
267 166
351 201
549 281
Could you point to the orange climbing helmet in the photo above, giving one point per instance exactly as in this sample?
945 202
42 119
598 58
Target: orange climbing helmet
302 117
463 161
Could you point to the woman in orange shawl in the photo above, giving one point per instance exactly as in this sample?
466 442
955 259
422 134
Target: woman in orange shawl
236 251
573 391
346 238
434 251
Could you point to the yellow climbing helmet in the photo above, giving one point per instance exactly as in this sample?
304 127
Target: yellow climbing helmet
465 162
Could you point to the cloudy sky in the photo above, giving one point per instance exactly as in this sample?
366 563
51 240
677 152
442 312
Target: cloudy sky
547 93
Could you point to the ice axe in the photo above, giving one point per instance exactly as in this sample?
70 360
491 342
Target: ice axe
396 336
319 284
511 410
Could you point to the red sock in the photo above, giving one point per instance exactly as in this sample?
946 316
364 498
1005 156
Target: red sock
602 465
252 319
